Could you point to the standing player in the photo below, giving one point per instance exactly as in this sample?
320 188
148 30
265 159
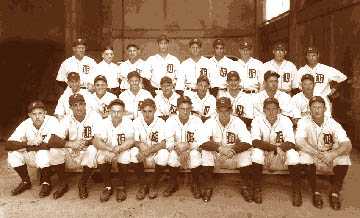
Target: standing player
323 142
193 67
204 104
182 133
250 69
221 65
286 69
160 65
227 139
134 96
101 96
242 102
79 63
166 100
273 138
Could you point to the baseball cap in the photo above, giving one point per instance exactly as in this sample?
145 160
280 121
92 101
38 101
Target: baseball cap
73 76
271 101
311 49
116 102
316 99
108 47
233 74
279 46
223 102
132 74
148 102
76 98
132 45
183 99
35 104
202 78
79 41
245 44
163 37
166 79
100 77
307 77
218 42
195 41
269 74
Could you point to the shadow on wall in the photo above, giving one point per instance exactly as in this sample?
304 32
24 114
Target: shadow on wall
28 72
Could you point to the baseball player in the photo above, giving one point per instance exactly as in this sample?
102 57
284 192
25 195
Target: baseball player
115 141
79 63
63 108
182 133
286 69
102 96
160 65
250 70
134 96
108 69
150 141
242 102
221 65
300 101
271 81
326 78
134 63
204 104
323 143
193 67
166 100
228 143
274 143
31 144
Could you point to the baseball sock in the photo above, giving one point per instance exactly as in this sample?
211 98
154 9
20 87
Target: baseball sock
45 174
85 174
139 171
311 176
156 177
22 171
337 179
195 173
123 171
257 174
60 171
173 174
105 170
245 175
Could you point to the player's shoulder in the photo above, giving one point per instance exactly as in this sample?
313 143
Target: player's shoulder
190 94
283 95
290 64
123 95
304 121
89 59
256 61
94 116
159 122
145 93
195 120
284 120
110 95
51 119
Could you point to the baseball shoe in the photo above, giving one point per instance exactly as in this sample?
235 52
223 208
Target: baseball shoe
206 195
23 186
335 202
61 190
45 190
246 193
120 194
106 194
296 198
195 190
170 189
83 192
257 195
153 191
317 200
142 192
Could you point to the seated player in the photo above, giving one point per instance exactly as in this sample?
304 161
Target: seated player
227 140
323 143
273 140
101 96
166 99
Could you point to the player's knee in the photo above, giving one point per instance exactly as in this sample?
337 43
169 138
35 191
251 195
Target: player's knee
207 158
305 158
42 158
342 160
195 158
292 157
57 156
15 159
258 156
134 151
244 159
173 159
162 157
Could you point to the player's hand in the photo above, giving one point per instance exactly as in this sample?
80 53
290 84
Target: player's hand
328 157
181 147
280 152
117 149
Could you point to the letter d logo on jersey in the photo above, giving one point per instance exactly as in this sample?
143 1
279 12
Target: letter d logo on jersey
203 71
279 137
86 69
230 138
190 137
170 68
239 110
155 137
87 132
223 72
328 142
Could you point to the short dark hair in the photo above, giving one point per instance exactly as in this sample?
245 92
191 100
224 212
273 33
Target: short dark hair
183 99
132 45
316 99
148 102
308 77
116 102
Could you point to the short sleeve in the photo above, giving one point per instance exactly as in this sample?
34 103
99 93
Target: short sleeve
256 130
19 134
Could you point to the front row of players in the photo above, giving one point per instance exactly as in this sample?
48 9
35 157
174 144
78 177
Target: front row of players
183 141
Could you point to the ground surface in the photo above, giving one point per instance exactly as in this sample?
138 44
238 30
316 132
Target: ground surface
226 201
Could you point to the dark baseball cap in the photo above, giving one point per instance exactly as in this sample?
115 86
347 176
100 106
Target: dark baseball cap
132 45
108 47
223 102
100 77
245 44
116 102
233 74
35 104
73 76
76 98
183 99
79 41
311 49
133 74
203 78
271 101
163 37
166 79
218 42
269 74
307 77
316 99
148 102
195 41
279 46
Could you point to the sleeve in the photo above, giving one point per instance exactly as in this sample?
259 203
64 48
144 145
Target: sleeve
293 72
288 131
301 129
286 108
249 107
336 75
212 74
60 108
207 131
255 130
100 130
61 75
161 130
340 133
19 134
169 134
177 67
158 111
258 107
63 128
181 77
295 110
137 130
212 111
199 137
297 80
130 130
56 127
242 132
148 68
261 72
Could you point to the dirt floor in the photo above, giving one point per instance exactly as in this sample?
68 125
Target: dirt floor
226 201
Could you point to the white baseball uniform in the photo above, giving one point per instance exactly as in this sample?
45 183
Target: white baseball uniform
103 102
205 107
83 67
221 68
251 74
166 106
242 104
26 132
132 102
287 71
300 106
126 67
110 71
282 97
326 137
176 132
226 136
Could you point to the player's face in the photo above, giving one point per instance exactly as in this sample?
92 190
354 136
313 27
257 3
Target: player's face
79 51
100 87
317 110
233 83
272 83
148 113
202 87
195 50
167 89
224 114
108 55
279 54
312 58
219 50
133 52
79 109
74 85
134 83
245 53
184 111
163 46
271 111
116 112
307 86
37 116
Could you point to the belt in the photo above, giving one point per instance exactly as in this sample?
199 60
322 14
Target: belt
83 88
191 89
249 91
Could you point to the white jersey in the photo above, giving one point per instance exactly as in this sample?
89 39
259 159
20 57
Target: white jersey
205 107
133 102
281 131
115 136
27 132
176 132
221 68
323 75
166 106
282 97
126 67
110 71
242 104
156 67
63 107
149 134
287 71
300 106
251 73
83 67
326 137
190 72
104 101
226 135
